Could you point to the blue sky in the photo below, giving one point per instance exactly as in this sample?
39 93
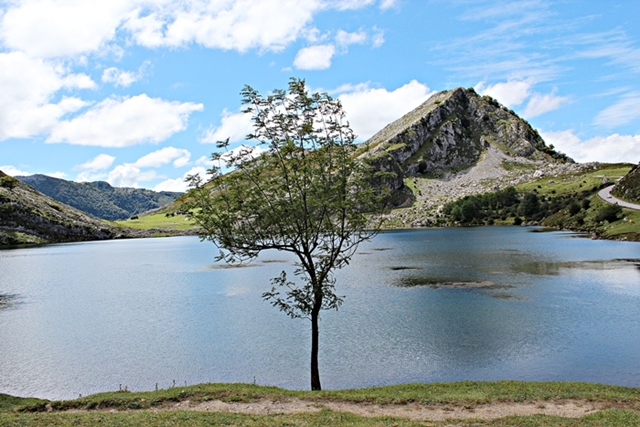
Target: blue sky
135 92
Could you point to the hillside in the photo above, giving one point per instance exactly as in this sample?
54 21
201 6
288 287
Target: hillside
99 198
628 188
459 144
28 216
455 144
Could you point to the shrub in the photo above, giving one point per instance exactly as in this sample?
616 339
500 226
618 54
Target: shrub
608 213
574 208
530 205
8 182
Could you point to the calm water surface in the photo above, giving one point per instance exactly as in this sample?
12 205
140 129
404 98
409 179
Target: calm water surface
89 317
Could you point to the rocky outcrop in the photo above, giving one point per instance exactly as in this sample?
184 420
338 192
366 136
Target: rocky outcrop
628 188
451 132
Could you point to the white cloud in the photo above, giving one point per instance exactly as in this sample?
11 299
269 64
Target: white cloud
234 126
540 104
386 4
239 25
370 109
179 156
27 86
624 111
57 174
90 176
204 160
314 57
178 184
344 38
122 122
80 81
128 175
70 28
510 93
378 38
54 28
122 78
13 171
608 149
100 162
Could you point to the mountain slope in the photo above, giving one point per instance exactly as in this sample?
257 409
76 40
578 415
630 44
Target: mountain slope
99 198
455 144
628 188
28 216
453 128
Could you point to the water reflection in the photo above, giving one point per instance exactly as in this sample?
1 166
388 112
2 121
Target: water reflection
430 305
8 301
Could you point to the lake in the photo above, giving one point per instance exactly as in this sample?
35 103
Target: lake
482 303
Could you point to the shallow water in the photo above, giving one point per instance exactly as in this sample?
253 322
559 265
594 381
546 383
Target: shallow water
421 305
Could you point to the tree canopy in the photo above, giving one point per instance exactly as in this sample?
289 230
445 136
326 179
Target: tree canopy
299 188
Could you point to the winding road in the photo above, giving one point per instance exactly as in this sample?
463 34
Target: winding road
605 194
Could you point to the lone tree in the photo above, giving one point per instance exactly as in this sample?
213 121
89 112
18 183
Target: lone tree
300 189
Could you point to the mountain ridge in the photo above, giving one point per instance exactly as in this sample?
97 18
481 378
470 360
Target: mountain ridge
99 198
28 216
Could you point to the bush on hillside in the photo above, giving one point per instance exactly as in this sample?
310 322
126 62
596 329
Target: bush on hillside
608 213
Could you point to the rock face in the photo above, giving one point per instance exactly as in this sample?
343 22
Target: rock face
451 132
628 188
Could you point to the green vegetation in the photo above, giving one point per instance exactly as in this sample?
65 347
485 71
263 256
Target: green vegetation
29 217
11 403
629 186
159 221
561 202
99 198
8 182
141 409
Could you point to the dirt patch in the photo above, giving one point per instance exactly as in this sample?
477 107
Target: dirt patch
412 411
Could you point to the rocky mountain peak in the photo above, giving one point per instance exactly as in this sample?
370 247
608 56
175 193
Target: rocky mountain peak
451 132
452 129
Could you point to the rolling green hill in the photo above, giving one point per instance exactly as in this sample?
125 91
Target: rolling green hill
28 216
99 198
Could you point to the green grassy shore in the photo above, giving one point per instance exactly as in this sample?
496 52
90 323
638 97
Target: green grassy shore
620 405
627 227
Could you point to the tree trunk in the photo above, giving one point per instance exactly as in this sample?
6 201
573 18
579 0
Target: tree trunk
315 373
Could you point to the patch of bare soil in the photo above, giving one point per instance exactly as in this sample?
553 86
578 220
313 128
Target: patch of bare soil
413 411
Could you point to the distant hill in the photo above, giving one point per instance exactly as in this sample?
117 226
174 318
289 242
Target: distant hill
99 198
28 216
628 188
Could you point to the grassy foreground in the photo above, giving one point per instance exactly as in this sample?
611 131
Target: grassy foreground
150 408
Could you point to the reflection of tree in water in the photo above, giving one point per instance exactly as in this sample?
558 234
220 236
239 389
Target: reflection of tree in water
7 300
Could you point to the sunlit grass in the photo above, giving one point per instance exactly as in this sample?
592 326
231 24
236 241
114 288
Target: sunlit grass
141 409
157 221
576 183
